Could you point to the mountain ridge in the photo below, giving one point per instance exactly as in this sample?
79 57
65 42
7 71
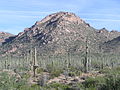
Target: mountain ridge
59 33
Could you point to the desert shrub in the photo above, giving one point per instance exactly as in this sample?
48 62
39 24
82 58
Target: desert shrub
96 65
112 71
74 71
93 83
54 71
23 69
116 71
71 74
26 75
90 82
50 68
105 70
27 87
35 87
40 70
78 73
111 83
8 82
58 86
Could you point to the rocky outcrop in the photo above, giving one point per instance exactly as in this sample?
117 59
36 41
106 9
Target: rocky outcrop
59 33
3 36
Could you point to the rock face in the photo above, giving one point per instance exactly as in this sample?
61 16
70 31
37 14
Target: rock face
59 33
108 35
112 45
3 36
111 41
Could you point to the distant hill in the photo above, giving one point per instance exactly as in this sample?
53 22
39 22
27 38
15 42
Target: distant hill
112 45
3 36
59 33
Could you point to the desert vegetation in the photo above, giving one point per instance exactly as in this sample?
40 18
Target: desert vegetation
63 71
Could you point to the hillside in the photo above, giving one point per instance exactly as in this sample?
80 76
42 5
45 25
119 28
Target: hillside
59 33
112 45
3 36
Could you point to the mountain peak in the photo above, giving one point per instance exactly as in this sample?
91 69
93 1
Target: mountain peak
103 30
61 17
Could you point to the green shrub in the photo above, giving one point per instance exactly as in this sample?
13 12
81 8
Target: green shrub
49 68
35 87
26 75
40 70
71 74
56 73
112 71
8 82
27 87
90 82
105 70
58 86
74 71
111 83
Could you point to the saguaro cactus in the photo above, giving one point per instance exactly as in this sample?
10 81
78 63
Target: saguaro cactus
35 63
86 57
5 64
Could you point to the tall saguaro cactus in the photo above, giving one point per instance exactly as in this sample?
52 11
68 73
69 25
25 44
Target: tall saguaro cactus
35 63
86 57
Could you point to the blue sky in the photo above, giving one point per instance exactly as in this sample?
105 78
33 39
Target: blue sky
15 15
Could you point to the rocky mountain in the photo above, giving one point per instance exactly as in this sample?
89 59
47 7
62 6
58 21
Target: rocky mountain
3 36
59 33
106 36
112 45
